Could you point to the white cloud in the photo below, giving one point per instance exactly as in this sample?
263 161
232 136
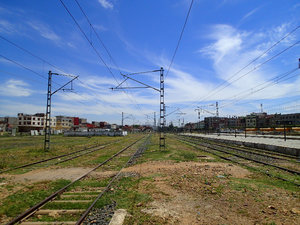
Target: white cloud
15 88
100 27
227 40
7 27
106 4
250 14
44 30
231 49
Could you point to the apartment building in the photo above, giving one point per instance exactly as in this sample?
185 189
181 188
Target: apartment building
64 122
27 122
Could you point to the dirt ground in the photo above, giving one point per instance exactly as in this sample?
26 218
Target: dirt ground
196 193
201 193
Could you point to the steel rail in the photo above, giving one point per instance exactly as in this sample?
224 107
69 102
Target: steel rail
254 160
229 159
290 137
255 149
85 214
242 150
49 198
56 157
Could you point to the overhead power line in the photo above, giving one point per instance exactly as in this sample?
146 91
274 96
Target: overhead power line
30 53
24 67
43 60
98 36
31 70
258 57
42 76
247 65
180 37
93 47
271 82
88 40
255 68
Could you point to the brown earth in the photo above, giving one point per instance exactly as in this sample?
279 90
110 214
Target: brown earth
202 193
196 193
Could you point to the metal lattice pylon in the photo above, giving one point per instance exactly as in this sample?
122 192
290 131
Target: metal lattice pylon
162 111
47 120
48 115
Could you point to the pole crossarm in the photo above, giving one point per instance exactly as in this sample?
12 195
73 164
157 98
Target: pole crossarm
64 85
65 75
122 88
127 77
47 120
173 112
162 110
152 71
209 112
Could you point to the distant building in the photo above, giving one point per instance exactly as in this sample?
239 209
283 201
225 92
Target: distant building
64 122
27 122
292 119
113 126
8 123
215 123
96 124
251 121
82 121
103 124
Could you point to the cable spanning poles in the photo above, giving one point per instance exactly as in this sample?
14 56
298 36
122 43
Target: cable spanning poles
47 121
180 37
162 108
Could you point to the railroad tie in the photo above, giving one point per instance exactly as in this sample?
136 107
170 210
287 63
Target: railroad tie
58 211
50 223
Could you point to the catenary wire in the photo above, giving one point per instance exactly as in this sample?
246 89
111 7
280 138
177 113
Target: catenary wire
244 67
180 37
93 47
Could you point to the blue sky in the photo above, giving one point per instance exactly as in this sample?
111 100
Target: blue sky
220 38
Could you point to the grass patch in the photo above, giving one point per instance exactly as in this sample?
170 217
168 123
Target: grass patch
189 156
22 200
261 182
16 151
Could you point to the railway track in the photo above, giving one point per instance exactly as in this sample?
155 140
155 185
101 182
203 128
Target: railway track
268 152
65 195
218 151
288 137
259 152
63 158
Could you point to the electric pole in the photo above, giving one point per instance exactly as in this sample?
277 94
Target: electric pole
122 119
217 109
154 122
47 121
161 90
199 111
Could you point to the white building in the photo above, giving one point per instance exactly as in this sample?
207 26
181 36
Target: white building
27 122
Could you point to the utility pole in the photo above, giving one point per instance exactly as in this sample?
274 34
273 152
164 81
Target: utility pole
48 114
162 109
199 110
47 121
154 122
162 112
261 108
122 119
217 109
